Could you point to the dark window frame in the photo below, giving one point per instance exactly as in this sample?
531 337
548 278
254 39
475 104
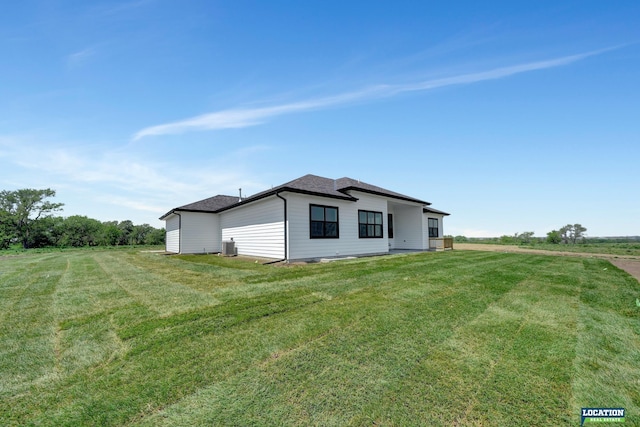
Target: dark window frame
370 227
324 222
433 231
390 226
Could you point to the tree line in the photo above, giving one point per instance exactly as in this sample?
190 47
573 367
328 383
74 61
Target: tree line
570 234
27 217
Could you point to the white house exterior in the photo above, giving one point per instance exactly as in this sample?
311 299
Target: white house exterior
307 218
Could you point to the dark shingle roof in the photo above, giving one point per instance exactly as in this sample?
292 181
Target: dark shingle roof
327 187
308 184
212 204
434 211
345 184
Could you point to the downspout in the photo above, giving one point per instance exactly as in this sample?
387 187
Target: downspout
286 256
179 232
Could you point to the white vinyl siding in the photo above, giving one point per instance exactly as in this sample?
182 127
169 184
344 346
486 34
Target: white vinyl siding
200 233
301 246
173 234
425 225
408 228
391 240
256 228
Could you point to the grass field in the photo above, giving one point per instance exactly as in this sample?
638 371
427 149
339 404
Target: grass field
122 337
621 249
609 248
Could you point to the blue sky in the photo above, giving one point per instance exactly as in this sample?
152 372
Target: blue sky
511 117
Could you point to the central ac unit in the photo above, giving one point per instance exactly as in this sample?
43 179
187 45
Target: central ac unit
229 248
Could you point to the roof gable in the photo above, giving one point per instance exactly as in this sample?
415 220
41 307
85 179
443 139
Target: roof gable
313 184
346 184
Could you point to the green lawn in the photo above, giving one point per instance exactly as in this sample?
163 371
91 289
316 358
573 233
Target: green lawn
121 337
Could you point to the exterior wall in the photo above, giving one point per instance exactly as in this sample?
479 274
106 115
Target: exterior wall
200 233
425 226
256 228
409 228
301 246
173 234
391 240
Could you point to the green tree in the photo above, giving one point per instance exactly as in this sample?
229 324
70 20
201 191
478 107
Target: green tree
80 231
571 233
111 233
526 237
577 233
7 230
139 234
565 233
554 237
46 232
126 228
155 237
508 240
26 207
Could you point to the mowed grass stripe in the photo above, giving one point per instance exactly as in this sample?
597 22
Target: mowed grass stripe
424 339
346 367
608 345
500 368
199 275
86 289
174 342
152 290
370 355
28 333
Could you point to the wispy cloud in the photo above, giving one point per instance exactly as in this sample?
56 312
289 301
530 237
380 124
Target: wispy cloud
246 117
109 178
78 58
153 206
128 175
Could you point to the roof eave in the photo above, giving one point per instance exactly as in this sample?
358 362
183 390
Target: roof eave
173 211
435 211
379 193
168 214
286 189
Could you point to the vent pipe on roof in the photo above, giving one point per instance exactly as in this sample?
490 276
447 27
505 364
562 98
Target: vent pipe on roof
240 190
